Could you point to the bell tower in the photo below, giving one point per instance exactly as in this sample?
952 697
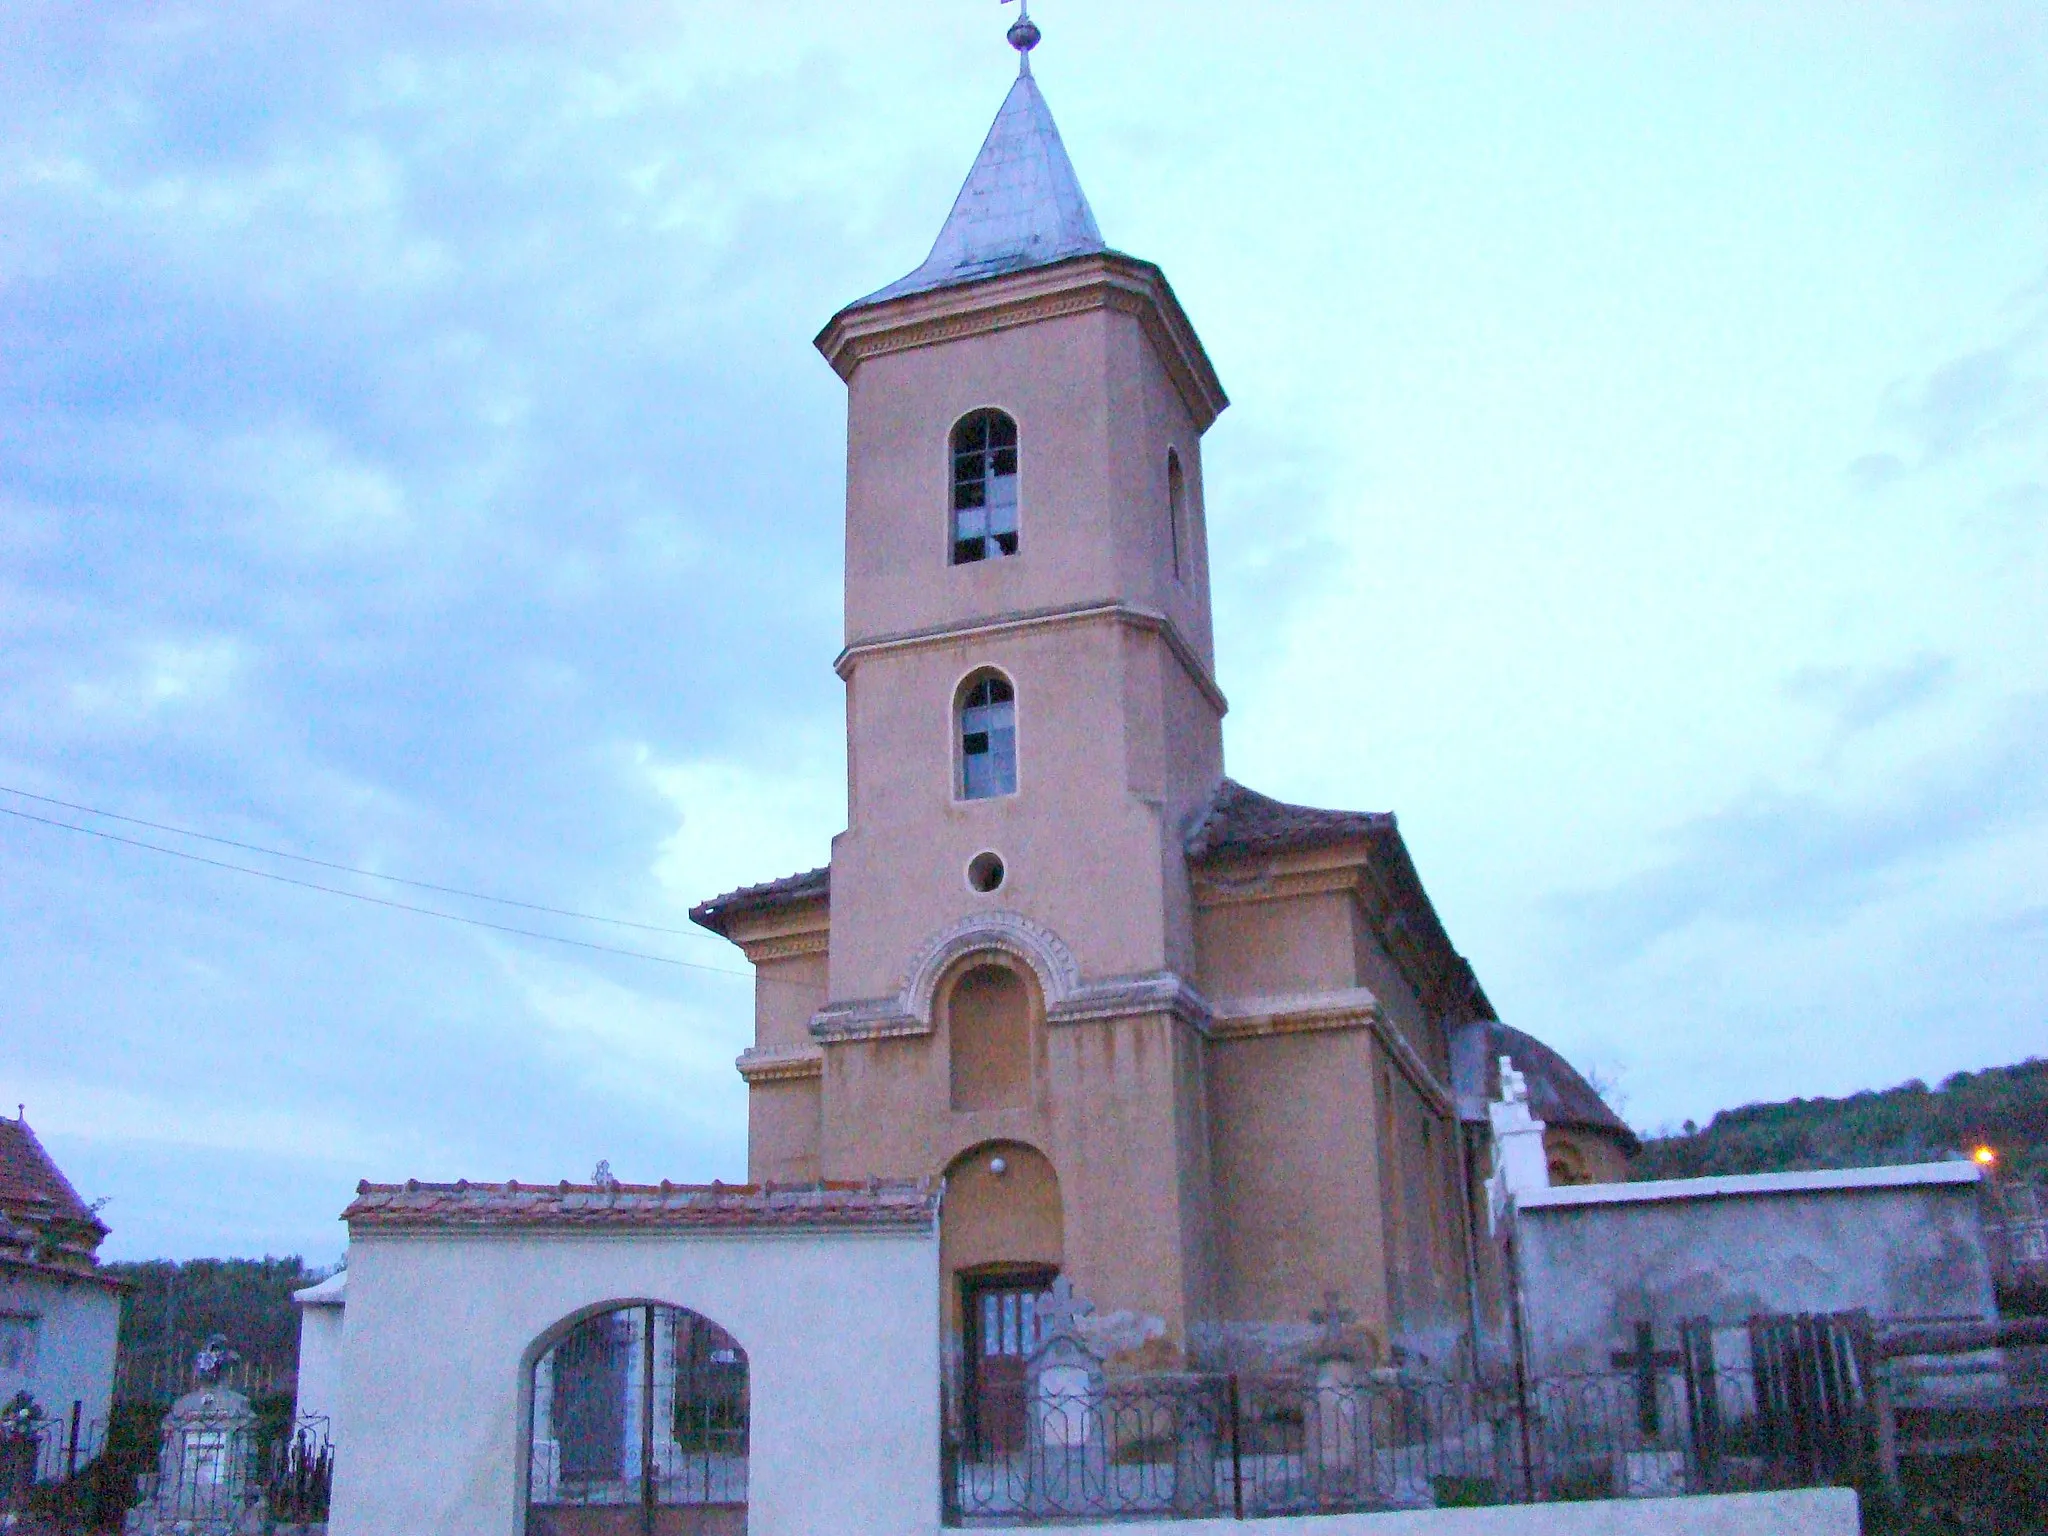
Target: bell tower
1028 660
1033 724
1181 1044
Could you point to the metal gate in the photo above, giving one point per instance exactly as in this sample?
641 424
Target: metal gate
639 1428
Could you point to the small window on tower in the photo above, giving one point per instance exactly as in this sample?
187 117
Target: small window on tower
1175 494
984 487
988 738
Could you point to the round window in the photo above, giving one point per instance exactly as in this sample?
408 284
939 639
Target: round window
985 872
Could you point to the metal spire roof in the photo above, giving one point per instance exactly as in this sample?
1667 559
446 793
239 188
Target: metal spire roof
1020 207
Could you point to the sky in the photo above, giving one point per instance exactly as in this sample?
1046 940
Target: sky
413 456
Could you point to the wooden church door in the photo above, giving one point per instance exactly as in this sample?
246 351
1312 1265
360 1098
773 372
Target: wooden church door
1002 1330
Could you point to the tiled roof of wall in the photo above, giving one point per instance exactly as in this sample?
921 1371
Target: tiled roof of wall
831 1206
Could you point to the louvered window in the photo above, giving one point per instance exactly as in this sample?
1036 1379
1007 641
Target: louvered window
984 487
988 738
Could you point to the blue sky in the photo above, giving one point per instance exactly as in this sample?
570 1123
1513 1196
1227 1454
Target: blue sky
412 455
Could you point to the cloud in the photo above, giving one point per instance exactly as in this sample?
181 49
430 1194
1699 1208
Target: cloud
2027 500
1989 398
1875 471
617 1043
306 491
1862 698
160 678
411 453
1774 858
215 1122
741 823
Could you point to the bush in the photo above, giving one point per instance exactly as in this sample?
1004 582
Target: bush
1465 1492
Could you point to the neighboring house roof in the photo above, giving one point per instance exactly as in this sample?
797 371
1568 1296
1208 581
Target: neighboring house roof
17 1240
463 1206
35 1193
1020 207
718 913
331 1292
1558 1095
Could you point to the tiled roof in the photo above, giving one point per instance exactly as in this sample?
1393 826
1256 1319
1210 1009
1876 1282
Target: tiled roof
1558 1095
33 1188
17 1240
791 890
1242 821
1020 207
830 1206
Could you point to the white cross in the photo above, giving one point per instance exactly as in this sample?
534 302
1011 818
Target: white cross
1059 1309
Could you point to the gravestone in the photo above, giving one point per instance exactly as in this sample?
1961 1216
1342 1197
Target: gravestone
206 1481
1068 1453
1338 1417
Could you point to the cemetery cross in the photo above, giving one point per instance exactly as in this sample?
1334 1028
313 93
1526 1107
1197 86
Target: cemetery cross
1646 1360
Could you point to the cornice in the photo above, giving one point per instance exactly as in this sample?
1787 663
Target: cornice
865 1018
1300 1013
787 946
1118 997
1255 1018
1121 997
1269 884
1415 1069
780 1063
1354 872
1075 286
1087 611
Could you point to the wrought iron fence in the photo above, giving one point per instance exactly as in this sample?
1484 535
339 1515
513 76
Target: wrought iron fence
1220 1445
64 1477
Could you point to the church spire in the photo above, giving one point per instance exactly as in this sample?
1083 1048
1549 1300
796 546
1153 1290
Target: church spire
1021 205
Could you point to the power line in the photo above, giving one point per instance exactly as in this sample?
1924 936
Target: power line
346 869
375 901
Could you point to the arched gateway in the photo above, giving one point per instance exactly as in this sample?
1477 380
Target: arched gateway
638 1427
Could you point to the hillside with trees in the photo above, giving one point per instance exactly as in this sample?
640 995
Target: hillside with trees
2004 1108
172 1309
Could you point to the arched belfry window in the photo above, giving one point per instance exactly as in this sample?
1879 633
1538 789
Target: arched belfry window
988 737
1176 503
984 486
637 1410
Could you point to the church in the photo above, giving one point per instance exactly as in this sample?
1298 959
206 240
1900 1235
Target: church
1068 1011
1210 1056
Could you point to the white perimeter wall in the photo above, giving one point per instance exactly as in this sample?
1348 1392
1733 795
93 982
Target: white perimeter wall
77 1326
321 1362
840 1330
1812 1512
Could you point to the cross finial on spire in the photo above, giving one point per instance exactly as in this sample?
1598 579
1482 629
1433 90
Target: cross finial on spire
1023 35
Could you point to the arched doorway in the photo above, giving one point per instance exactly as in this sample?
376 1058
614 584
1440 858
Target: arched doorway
1001 1242
639 1427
